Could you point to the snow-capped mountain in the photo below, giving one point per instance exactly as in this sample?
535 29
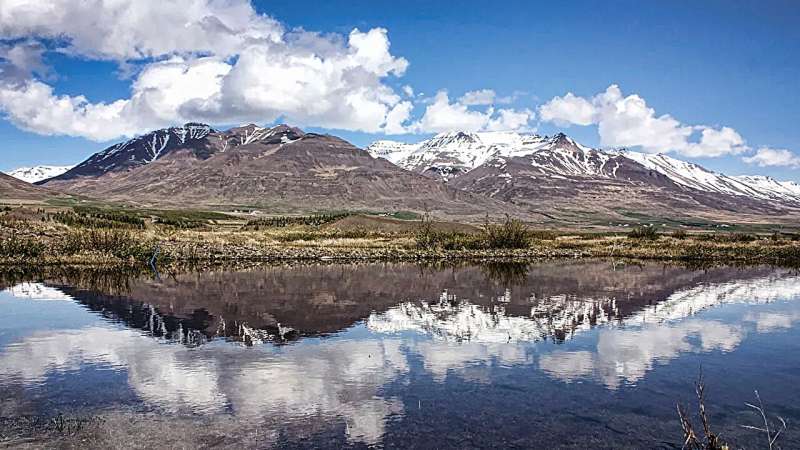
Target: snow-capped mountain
249 165
504 155
199 140
458 319
696 177
38 173
450 154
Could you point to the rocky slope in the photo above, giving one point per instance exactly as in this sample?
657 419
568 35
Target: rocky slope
560 176
279 168
12 189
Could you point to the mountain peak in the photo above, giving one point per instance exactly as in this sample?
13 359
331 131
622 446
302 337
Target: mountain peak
38 173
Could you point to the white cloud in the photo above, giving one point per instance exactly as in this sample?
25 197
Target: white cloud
627 121
480 97
567 110
442 115
22 60
218 61
626 355
124 30
486 97
773 157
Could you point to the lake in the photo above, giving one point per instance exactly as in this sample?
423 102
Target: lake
553 354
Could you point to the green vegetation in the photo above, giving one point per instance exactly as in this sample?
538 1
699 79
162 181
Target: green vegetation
121 244
405 215
730 237
679 234
643 232
511 234
96 218
88 234
16 247
181 223
286 221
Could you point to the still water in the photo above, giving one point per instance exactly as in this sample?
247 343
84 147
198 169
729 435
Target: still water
586 354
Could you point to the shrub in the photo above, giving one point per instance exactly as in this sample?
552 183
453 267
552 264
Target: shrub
512 233
87 220
121 244
182 223
643 232
679 234
15 247
731 237
286 221
427 237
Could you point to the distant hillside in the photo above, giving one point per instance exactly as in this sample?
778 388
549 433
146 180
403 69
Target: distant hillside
12 189
279 168
556 175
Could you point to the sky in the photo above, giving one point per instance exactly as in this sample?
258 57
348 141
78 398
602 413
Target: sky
713 82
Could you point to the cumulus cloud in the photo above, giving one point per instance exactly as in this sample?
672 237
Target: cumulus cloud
211 60
773 157
444 115
567 110
627 121
22 60
124 30
480 97
627 355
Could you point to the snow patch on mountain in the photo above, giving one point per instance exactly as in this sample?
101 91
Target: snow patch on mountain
38 173
457 319
697 177
450 154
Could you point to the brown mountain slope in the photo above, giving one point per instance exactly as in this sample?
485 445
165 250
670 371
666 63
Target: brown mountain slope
284 171
13 190
632 192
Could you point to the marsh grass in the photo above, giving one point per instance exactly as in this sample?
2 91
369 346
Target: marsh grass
729 237
72 219
21 247
287 221
644 232
182 223
121 244
511 234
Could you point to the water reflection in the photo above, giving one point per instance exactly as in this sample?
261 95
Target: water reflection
321 346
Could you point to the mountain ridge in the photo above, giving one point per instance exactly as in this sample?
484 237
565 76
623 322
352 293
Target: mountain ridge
280 168
452 154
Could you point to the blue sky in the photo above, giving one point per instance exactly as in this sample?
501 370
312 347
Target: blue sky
710 64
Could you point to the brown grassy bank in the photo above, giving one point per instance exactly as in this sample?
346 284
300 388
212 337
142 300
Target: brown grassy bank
40 237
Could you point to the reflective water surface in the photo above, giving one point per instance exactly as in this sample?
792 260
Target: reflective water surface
574 354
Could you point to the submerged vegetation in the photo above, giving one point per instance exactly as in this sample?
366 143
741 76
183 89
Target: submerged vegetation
707 439
137 236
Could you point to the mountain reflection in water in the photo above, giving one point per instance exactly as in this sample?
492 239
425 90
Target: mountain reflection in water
330 345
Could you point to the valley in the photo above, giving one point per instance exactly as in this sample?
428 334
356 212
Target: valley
193 193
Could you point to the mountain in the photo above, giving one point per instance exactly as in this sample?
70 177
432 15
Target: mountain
280 168
38 173
696 177
12 189
450 154
559 176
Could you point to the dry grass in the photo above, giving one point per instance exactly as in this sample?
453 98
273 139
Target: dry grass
25 237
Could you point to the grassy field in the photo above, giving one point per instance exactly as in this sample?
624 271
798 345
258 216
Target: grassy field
97 234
